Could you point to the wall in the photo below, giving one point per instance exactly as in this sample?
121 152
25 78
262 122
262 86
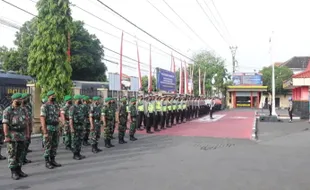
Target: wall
283 100
301 108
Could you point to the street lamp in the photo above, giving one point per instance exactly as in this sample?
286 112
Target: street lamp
273 106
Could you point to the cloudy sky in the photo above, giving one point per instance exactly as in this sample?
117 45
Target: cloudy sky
247 24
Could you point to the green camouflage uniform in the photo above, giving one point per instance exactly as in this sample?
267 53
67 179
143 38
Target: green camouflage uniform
66 132
107 112
77 115
133 117
86 124
1 134
122 121
50 112
28 109
95 112
113 107
17 120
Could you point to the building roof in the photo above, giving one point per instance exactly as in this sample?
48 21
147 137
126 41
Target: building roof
297 62
305 73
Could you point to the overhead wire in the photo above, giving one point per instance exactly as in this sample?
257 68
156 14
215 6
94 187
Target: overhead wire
205 13
167 18
116 27
147 33
17 27
188 26
221 18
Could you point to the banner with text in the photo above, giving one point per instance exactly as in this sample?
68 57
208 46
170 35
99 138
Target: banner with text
253 79
166 80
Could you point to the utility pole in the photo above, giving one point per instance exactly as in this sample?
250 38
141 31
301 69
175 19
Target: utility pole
233 50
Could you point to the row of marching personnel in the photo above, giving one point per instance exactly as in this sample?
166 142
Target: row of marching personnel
82 121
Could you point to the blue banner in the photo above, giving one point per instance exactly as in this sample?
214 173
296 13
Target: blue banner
166 80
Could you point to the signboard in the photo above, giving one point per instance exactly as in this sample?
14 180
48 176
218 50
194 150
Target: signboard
134 83
166 80
114 82
252 79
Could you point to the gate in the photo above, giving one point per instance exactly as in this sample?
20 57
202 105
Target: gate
6 91
91 92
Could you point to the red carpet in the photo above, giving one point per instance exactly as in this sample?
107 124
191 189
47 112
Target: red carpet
226 124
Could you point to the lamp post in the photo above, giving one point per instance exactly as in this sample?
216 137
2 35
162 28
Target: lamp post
273 103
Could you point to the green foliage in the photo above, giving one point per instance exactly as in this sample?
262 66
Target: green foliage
145 84
281 74
86 52
214 67
48 59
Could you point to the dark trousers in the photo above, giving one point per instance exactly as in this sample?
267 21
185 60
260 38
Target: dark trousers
168 116
163 120
157 120
149 121
140 119
270 109
211 112
173 114
290 113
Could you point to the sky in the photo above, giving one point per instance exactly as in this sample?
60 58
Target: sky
247 24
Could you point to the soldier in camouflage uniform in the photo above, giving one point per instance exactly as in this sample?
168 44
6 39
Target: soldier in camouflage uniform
94 118
114 108
77 118
86 107
133 119
107 117
1 134
28 109
64 114
49 116
44 100
122 116
16 132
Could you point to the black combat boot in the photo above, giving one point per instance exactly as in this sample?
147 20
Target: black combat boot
48 164
106 143
120 140
14 174
20 172
54 163
81 156
132 138
94 149
76 156
111 145
26 161
124 140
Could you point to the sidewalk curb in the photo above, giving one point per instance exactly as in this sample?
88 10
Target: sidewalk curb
254 128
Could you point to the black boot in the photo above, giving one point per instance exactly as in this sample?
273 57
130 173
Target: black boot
54 163
132 138
48 164
81 156
111 145
124 140
106 143
14 174
98 149
20 172
94 149
76 156
26 161
120 140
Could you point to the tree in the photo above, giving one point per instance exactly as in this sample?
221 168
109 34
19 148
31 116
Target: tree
214 67
145 80
48 59
282 73
86 52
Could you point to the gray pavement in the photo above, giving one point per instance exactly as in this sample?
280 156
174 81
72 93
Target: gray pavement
279 162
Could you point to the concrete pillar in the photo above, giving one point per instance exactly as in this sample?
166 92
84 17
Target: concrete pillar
102 92
76 90
35 92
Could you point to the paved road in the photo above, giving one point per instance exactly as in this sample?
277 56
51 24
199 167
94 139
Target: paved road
178 163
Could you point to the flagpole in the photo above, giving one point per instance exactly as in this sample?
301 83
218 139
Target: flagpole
273 102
